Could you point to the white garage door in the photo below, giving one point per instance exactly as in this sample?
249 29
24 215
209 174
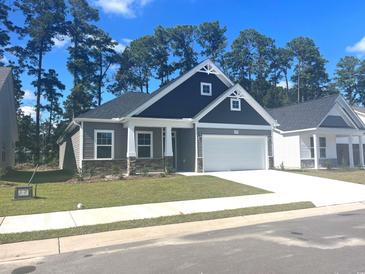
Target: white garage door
227 152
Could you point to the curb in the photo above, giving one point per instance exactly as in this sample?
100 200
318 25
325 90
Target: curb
31 249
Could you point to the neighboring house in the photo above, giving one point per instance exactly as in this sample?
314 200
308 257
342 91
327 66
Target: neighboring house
201 121
319 133
8 124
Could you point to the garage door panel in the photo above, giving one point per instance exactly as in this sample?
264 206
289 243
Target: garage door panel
233 152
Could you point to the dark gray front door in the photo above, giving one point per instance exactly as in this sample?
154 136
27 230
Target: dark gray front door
343 158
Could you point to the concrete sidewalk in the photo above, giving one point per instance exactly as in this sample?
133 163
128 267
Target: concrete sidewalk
75 218
32 249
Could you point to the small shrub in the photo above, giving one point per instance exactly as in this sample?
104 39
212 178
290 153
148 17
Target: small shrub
145 171
162 175
115 170
282 167
79 176
328 164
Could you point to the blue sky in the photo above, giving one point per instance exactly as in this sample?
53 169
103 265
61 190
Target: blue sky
337 27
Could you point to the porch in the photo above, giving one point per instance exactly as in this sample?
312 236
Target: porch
328 147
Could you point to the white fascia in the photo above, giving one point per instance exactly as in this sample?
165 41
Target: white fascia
158 122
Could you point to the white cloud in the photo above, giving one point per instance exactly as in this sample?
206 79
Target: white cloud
127 8
283 84
29 95
28 110
61 41
120 47
358 47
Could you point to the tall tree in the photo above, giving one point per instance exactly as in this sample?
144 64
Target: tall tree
5 26
161 52
280 66
249 61
52 91
44 20
310 75
361 83
103 55
211 37
79 29
136 66
347 77
182 44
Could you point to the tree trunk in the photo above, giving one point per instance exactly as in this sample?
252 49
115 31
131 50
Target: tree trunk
100 81
286 81
38 106
298 81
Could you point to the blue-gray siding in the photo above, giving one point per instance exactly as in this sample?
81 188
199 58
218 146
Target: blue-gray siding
334 122
185 101
222 114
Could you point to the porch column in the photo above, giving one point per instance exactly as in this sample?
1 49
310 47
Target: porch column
168 150
315 145
131 151
351 152
361 148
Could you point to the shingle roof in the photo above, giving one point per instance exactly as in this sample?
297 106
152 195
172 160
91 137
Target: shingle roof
4 73
304 115
118 107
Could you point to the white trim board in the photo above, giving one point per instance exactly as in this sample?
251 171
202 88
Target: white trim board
233 126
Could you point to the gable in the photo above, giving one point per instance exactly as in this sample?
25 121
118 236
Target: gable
222 114
185 100
335 121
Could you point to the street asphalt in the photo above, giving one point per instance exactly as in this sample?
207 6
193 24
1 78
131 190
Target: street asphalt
327 244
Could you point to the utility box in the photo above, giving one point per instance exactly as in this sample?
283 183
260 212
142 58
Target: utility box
23 192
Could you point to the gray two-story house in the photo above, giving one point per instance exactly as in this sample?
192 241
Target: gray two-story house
8 124
201 121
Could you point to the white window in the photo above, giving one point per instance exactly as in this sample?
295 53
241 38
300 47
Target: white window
206 89
144 144
322 148
235 104
104 144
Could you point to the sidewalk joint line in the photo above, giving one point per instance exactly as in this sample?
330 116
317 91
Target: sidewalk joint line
72 218
2 221
59 245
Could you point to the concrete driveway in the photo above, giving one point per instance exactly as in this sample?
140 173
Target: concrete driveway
320 191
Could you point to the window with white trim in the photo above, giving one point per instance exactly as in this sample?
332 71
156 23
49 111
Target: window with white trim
311 146
104 144
144 144
235 104
322 147
206 89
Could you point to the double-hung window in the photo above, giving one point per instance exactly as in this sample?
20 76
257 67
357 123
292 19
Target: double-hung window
144 144
235 104
322 147
312 147
104 144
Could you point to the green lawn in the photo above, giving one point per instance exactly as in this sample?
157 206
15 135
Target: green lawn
65 196
354 176
28 236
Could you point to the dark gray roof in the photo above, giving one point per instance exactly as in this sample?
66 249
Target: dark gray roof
304 115
4 73
118 107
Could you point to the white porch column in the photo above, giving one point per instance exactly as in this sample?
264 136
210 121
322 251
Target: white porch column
131 144
351 152
361 148
168 142
315 144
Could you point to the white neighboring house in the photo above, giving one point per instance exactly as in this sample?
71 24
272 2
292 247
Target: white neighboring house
325 132
361 113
